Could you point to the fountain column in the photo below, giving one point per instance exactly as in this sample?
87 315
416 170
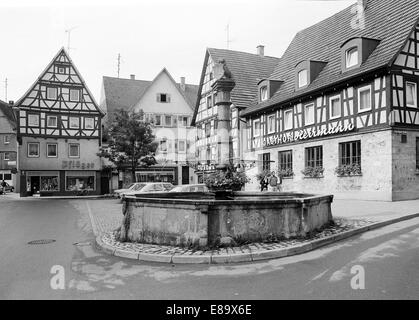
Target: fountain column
223 86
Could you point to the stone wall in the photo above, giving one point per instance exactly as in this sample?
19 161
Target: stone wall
374 184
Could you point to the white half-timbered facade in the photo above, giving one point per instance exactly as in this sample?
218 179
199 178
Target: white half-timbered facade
59 133
345 118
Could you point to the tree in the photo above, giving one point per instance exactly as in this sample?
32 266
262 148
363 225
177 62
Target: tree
131 142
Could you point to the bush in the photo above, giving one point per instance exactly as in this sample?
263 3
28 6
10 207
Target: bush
230 179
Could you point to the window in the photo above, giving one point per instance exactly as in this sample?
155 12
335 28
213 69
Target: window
352 57
80 182
158 120
208 129
60 69
271 124
314 157
209 102
52 150
411 95
335 107
51 93
309 114
182 146
183 121
33 150
74 150
263 93
364 99
213 153
6 139
33 120
49 183
302 78
52 121
163 145
7 156
168 121
74 95
285 163
417 154
163 97
7 176
256 128
288 121
74 123
350 153
89 123
266 162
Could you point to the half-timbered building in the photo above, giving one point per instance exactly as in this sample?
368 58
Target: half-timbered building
344 117
8 145
59 133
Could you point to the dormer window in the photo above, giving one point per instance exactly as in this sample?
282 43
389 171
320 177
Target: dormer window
352 57
263 93
302 78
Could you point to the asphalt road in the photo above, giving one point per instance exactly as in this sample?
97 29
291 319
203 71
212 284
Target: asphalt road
388 257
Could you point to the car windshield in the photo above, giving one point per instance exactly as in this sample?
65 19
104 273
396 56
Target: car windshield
177 189
138 186
131 186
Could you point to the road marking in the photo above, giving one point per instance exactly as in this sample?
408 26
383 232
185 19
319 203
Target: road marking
92 220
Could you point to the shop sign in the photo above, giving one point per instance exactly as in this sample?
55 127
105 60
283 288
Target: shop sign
76 164
305 134
206 167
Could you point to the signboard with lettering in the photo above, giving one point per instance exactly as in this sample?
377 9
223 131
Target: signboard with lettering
76 164
303 134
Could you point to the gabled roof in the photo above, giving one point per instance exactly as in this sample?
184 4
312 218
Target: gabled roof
390 21
7 112
62 55
190 94
247 70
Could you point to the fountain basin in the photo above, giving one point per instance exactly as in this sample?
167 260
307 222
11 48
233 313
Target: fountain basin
198 220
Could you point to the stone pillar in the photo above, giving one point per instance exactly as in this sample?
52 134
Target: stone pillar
223 87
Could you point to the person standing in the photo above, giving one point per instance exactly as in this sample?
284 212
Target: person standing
273 182
4 184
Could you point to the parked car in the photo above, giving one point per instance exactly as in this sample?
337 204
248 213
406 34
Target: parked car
190 188
152 187
8 188
132 187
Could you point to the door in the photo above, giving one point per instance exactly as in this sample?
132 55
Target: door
104 185
185 175
35 185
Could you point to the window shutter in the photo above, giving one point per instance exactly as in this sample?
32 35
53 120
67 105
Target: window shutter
158 97
168 98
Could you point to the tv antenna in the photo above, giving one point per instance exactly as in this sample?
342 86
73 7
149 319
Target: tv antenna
228 35
5 89
68 31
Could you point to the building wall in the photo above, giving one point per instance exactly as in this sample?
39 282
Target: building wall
405 175
376 156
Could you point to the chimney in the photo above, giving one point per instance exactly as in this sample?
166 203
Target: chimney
132 76
182 83
261 50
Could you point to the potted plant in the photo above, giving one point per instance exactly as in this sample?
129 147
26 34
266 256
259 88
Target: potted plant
313 172
224 182
348 170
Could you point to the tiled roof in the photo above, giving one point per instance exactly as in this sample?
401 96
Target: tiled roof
389 21
247 70
6 110
122 93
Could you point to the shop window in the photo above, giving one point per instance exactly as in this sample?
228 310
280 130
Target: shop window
89 123
52 150
335 107
285 163
364 99
33 120
52 121
33 150
49 183
74 183
314 157
350 153
74 150
411 95
52 93
309 114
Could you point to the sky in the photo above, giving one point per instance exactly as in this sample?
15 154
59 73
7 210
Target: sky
148 35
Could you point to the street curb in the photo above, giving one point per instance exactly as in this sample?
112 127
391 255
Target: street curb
247 257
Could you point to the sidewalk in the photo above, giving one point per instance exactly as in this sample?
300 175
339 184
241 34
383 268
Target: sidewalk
16 196
353 217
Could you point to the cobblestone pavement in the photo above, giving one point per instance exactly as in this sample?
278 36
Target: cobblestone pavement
106 214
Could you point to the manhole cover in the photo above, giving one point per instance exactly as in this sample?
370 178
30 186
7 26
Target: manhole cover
42 241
